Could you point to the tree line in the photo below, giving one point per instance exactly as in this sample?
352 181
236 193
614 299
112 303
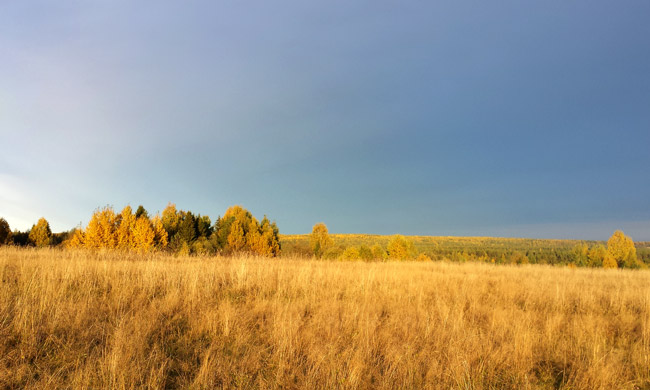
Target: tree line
176 231
398 248
238 231
619 251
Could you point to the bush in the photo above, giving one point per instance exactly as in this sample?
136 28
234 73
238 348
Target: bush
399 248
609 261
351 253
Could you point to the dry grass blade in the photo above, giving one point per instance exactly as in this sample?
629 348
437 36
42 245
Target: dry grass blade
106 320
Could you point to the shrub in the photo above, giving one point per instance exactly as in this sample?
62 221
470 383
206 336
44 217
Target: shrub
351 253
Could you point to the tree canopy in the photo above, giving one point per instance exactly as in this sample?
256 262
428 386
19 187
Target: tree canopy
179 231
238 231
622 249
5 232
399 248
319 239
124 231
40 234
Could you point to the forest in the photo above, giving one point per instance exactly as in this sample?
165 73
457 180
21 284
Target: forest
182 232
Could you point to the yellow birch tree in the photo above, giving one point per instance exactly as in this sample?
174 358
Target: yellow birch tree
609 261
399 248
622 249
319 239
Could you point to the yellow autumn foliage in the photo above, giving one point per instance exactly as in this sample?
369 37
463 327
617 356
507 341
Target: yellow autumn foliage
621 248
125 229
351 254
236 238
399 248
319 239
161 238
77 240
609 261
101 231
239 231
40 234
143 235
171 219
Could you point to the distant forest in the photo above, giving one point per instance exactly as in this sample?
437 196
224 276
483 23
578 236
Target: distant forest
483 249
238 231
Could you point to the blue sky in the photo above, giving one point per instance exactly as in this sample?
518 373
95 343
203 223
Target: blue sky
523 119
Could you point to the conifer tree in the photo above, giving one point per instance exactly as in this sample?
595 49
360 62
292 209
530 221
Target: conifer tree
5 232
203 226
76 239
238 231
221 231
170 220
125 229
141 211
40 234
187 231
160 234
254 241
270 239
236 237
237 212
273 227
101 231
143 235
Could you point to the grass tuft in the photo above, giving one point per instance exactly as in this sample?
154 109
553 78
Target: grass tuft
108 320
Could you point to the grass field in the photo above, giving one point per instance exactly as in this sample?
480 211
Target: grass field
108 320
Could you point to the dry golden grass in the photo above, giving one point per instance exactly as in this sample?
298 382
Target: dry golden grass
103 320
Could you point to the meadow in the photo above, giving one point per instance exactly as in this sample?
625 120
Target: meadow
110 320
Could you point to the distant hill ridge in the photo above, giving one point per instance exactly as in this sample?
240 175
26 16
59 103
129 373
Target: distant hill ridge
459 248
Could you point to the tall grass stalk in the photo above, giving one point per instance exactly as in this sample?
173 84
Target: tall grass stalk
117 321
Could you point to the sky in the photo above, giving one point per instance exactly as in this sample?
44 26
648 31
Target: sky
463 118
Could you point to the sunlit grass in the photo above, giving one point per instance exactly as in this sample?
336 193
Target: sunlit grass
110 320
